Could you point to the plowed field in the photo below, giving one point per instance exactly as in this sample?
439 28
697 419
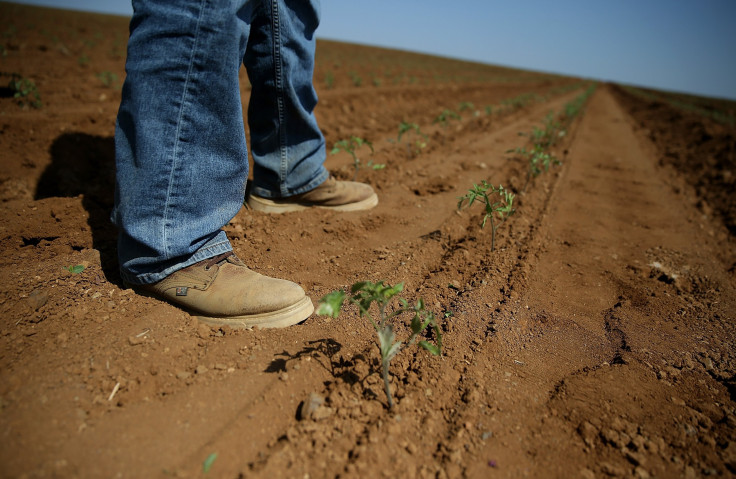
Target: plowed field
596 339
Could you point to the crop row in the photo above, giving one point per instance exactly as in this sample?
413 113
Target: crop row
373 299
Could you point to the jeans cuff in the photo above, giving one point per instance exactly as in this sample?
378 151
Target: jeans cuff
321 177
218 245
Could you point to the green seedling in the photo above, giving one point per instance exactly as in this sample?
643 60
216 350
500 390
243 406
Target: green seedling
446 115
352 144
539 160
76 269
329 80
207 464
420 140
24 91
107 78
364 295
498 202
83 60
465 105
356 79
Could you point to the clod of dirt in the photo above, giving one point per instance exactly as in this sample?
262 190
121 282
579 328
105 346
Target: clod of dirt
313 408
38 298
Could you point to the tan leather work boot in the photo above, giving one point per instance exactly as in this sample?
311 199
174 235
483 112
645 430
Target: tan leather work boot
222 291
332 194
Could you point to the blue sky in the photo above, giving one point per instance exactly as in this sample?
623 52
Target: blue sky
680 45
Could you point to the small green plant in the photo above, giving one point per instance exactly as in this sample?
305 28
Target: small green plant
465 105
24 91
539 160
364 295
352 144
497 201
420 140
329 80
208 462
75 269
446 115
107 78
83 60
356 79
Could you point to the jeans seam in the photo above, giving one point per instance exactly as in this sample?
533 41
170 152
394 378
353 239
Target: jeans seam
276 31
177 137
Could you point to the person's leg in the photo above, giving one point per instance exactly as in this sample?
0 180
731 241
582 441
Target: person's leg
287 145
181 165
179 139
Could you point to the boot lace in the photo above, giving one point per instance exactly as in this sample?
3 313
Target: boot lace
220 258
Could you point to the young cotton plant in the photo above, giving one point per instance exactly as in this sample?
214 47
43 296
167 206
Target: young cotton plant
365 294
498 203
445 117
349 146
420 142
539 159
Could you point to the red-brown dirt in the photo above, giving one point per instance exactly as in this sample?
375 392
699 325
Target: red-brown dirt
596 340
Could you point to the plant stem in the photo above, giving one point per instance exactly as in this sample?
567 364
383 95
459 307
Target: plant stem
493 234
386 385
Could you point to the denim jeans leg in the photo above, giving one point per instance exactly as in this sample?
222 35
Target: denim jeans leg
287 145
179 138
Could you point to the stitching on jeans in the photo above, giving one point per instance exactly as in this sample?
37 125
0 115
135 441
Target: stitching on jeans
179 121
278 67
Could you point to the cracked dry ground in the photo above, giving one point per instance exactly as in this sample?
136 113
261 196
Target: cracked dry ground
596 341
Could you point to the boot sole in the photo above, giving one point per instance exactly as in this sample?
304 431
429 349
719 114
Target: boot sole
282 318
265 205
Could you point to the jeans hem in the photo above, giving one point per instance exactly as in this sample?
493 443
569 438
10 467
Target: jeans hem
202 254
312 184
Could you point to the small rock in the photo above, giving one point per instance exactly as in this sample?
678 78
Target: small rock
486 435
641 473
203 331
201 369
708 363
677 401
183 375
309 407
136 340
38 298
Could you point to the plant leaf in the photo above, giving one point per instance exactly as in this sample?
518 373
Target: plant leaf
435 350
207 464
331 303
75 269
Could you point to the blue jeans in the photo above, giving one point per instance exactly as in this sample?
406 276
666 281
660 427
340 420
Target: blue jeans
181 159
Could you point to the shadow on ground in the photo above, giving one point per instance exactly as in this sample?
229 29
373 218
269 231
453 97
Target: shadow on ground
83 164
